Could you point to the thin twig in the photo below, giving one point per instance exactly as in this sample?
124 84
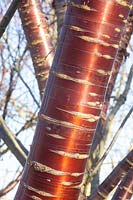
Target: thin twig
10 186
121 100
8 16
8 93
28 123
21 78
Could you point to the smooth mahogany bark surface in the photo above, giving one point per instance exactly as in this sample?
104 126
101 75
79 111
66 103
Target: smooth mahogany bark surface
36 32
73 99
125 189
113 179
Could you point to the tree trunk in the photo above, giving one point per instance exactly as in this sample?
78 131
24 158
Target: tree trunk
36 32
102 132
69 113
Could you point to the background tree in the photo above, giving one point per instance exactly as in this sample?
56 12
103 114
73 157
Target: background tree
16 110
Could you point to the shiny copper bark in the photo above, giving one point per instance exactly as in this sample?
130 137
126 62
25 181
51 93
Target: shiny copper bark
36 32
73 99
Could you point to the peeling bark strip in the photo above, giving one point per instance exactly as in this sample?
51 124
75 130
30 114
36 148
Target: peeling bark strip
36 31
43 168
113 179
74 81
125 189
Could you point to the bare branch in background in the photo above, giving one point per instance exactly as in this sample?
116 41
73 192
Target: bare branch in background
10 186
121 100
17 148
8 16
9 93
27 86
29 123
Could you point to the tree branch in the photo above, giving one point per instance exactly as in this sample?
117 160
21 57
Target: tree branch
17 148
121 100
36 32
113 179
125 189
8 93
8 16
10 186
27 86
